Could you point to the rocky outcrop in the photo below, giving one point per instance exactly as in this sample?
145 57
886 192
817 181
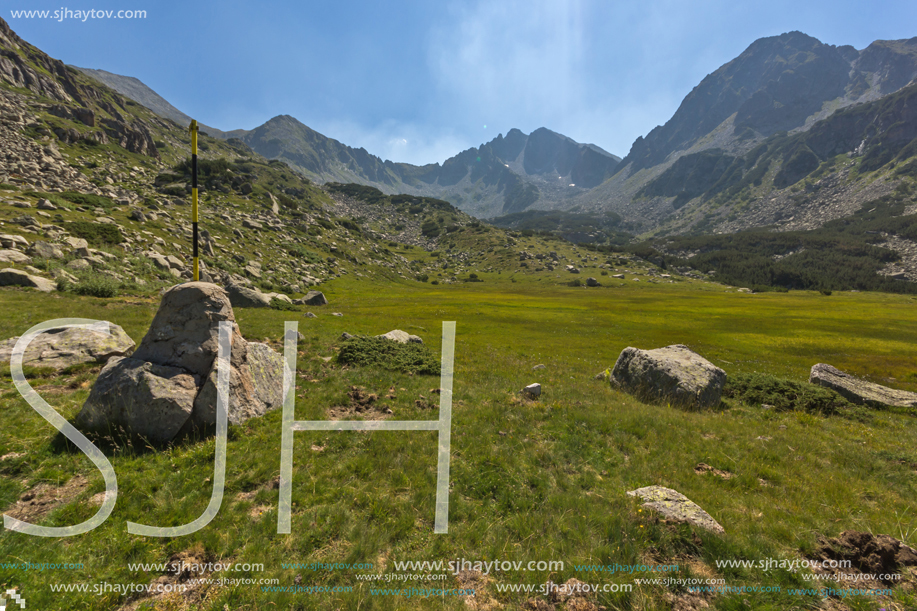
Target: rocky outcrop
15 277
8 255
25 67
860 391
676 506
168 386
673 374
63 347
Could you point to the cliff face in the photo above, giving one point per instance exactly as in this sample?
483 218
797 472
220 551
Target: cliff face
70 95
778 84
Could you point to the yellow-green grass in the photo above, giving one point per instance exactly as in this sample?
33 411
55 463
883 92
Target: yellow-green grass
542 480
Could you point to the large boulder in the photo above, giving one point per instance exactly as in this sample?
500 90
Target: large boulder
43 250
243 297
860 391
676 506
182 345
255 385
673 374
63 347
151 400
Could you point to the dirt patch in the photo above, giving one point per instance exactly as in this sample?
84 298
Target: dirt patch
274 484
483 599
567 596
423 403
54 389
687 601
702 468
258 511
38 502
184 566
873 560
12 456
361 403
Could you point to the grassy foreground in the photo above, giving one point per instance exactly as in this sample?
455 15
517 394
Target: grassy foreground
537 480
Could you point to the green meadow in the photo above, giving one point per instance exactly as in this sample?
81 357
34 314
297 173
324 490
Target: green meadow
530 480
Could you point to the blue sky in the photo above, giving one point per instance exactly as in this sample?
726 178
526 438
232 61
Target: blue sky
419 81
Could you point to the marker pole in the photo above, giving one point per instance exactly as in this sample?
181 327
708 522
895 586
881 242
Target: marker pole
193 130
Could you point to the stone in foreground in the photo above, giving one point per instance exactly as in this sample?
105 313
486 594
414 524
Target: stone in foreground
859 391
63 347
673 374
676 506
168 386
532 390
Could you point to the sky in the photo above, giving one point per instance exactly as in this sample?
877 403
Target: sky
420 80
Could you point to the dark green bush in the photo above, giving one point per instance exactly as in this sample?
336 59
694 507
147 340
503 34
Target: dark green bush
92 284
280 304
784 395
97 234
378 352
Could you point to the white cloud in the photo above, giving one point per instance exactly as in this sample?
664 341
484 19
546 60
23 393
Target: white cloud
511 62
398 141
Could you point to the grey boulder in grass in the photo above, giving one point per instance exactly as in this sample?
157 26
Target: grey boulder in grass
15 277
677 507
63 347
674 374
168 386
243 297
151 400
860 392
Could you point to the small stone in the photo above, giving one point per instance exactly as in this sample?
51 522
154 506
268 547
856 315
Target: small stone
532 390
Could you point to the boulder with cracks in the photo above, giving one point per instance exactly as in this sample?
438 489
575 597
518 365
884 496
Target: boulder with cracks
168 386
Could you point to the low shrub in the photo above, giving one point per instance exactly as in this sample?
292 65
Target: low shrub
280 304
97 234
378 352
92 284
784 395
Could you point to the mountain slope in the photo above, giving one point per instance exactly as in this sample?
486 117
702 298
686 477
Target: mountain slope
136 90
777 84
504 175
728 159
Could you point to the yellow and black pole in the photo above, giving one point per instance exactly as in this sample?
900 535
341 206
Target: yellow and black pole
193 130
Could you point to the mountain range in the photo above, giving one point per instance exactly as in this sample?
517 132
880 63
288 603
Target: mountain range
792 133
